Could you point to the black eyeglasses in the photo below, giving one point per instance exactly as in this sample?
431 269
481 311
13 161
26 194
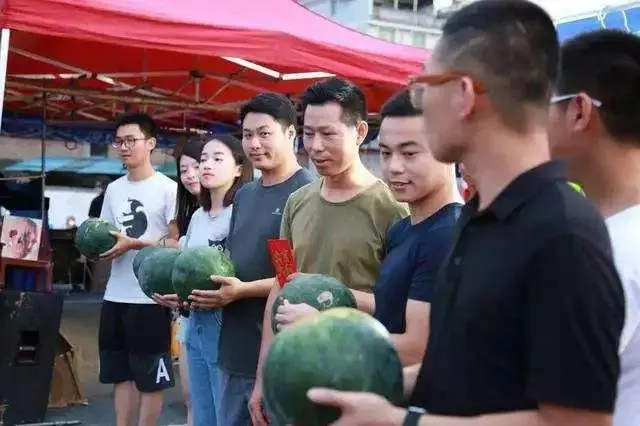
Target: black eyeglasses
126 142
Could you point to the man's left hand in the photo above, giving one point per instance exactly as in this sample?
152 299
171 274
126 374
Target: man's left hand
289 313
212 299
359 408
123 245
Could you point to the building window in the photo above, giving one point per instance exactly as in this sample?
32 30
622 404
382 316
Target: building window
419 39
404 37
386 33
374 30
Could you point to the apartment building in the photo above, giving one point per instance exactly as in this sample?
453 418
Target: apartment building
418 22
411 22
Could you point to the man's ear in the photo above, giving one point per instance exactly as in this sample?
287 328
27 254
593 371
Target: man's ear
362 128
291 133
580 110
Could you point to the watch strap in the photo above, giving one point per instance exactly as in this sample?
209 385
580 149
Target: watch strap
413 416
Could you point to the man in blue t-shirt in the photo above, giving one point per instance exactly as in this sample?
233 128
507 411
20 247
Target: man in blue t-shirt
418 244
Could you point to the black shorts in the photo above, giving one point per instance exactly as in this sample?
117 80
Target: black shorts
135 345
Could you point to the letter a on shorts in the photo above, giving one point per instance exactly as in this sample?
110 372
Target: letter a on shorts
162 372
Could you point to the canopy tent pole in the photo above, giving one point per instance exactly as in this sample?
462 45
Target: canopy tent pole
43 154
5 36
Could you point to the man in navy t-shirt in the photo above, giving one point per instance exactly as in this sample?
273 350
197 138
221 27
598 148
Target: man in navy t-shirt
418 244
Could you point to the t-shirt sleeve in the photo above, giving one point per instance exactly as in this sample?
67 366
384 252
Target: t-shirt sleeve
232 221
285 224
106 213
170 203
429 258
574 318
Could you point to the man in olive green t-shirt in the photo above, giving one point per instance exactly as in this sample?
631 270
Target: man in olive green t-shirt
337 225
343 239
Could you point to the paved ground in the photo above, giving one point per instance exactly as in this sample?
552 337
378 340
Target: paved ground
80 325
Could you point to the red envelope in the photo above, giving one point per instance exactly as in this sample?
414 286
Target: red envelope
282 258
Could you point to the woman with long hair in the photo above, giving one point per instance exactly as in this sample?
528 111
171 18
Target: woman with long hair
187 202
224 168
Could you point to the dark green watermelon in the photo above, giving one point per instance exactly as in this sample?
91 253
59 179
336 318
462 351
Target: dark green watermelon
341 348
194 267
154 274
93 237
140 256
320 291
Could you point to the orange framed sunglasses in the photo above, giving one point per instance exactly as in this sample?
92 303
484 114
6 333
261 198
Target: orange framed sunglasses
418 83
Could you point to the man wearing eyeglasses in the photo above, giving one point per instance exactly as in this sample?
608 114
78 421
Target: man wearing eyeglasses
528 308
595 127
135 333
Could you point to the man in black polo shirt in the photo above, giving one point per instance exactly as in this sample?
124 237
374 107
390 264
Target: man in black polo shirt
528 308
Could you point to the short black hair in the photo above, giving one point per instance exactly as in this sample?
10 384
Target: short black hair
342 92
399 105
274 104
510 46
147 125
605 64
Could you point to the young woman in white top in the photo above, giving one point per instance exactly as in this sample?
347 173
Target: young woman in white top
223 169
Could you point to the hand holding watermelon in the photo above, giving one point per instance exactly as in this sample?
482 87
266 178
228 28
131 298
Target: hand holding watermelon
123 245
171 301
212 299
358 408
289 313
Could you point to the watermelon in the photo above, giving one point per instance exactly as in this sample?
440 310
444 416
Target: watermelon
194 267
341 348
140 256
93 237
319 291
154 274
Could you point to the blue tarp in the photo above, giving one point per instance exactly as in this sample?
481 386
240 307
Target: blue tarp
626 18
80 165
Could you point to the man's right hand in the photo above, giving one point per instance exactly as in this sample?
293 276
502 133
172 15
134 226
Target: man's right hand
256 407
170 301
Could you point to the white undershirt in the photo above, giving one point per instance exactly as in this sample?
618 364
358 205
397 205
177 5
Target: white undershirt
624 229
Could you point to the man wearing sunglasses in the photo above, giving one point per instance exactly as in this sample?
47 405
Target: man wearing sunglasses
528 308
595 126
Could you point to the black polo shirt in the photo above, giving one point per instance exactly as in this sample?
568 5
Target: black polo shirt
528 307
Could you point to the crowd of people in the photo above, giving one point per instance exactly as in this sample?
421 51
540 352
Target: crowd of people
520 307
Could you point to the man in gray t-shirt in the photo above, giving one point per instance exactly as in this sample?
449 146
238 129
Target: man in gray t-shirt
257 211
268 127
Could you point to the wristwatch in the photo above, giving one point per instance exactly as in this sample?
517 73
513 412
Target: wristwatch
413 416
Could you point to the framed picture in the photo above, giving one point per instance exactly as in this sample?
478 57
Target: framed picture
21 237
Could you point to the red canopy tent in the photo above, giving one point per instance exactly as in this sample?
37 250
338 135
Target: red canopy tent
191 60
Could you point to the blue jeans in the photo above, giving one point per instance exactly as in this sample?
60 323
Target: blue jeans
235 392
203 332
